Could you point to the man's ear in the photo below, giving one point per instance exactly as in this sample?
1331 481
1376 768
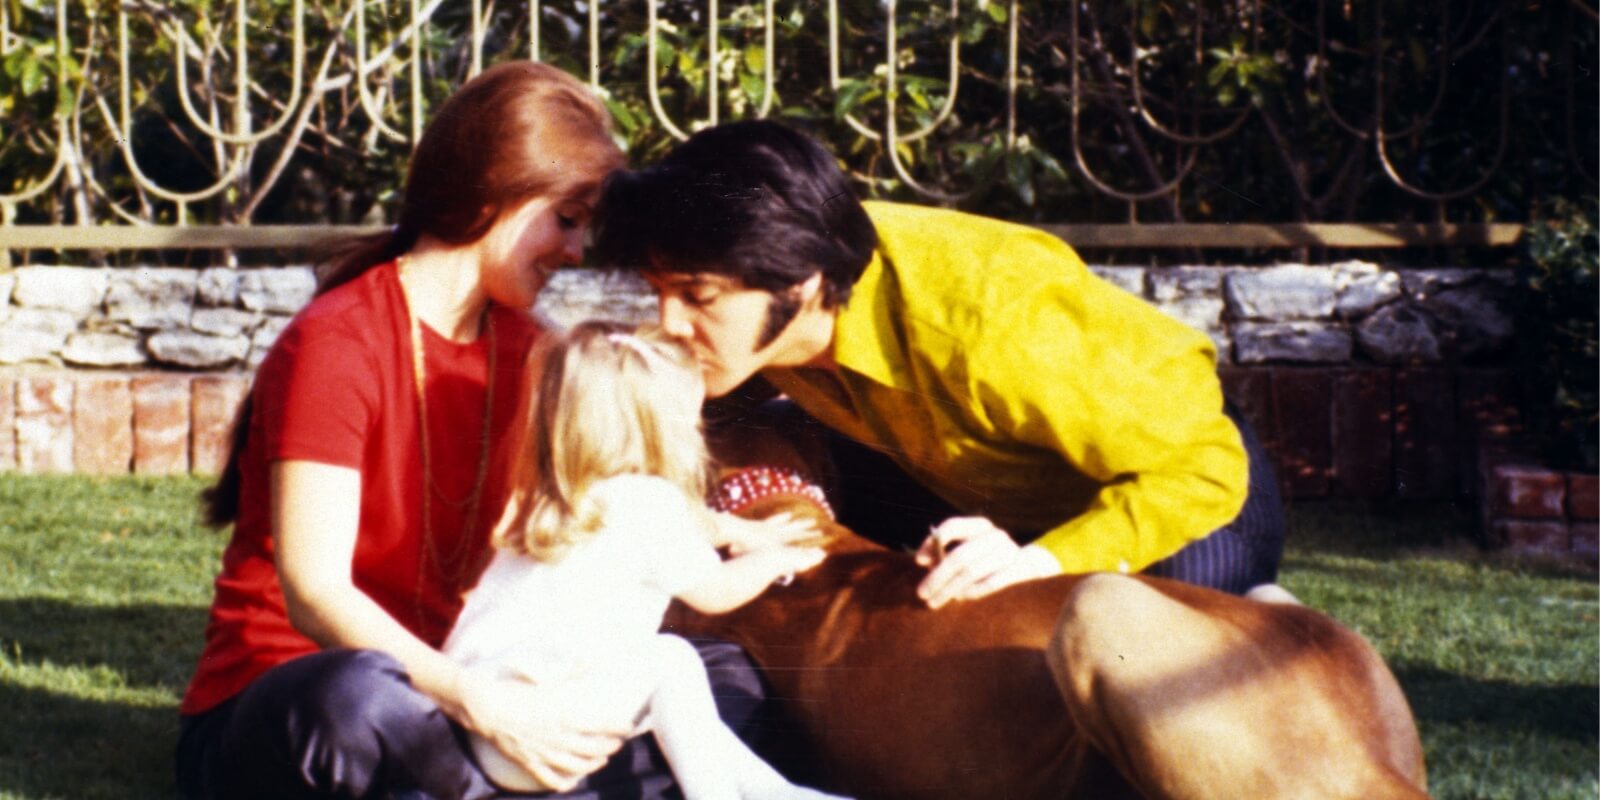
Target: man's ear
810 290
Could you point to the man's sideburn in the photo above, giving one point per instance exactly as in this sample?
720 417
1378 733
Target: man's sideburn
782 308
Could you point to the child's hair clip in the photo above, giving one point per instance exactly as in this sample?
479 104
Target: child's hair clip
633 343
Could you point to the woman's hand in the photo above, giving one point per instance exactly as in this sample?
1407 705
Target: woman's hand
970 557
536 727
742 535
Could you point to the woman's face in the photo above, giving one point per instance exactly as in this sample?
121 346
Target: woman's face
528 243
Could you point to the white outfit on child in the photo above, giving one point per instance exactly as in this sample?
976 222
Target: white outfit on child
592 619
543 620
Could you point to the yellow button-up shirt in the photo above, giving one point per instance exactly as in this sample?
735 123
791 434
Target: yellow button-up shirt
996 369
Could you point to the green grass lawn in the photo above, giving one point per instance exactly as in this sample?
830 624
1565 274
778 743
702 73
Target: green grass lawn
104 586
1501 660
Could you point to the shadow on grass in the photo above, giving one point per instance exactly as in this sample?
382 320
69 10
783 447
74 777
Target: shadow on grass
75 730
1350 527
147 645
64 746
1564 711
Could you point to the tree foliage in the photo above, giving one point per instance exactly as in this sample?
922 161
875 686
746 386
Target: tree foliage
1560 332
1250 111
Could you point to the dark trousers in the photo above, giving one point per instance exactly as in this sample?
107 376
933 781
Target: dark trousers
348 724
873 497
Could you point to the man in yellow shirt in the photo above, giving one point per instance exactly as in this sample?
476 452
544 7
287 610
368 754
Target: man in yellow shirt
1047 421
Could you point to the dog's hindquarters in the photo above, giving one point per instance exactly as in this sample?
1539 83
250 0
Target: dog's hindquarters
1197 694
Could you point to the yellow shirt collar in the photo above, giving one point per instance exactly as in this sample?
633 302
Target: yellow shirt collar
865 337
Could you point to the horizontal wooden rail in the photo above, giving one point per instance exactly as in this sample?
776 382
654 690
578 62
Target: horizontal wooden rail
1339 235
199 237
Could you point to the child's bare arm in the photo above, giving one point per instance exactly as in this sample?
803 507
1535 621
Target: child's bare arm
742 535
742 578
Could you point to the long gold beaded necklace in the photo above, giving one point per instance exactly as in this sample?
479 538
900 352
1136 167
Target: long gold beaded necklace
430 545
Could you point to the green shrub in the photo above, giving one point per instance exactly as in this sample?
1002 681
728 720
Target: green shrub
1560 302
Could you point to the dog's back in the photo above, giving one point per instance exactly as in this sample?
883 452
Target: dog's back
904 702
901 701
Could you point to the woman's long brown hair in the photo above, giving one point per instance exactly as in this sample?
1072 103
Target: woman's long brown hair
517 131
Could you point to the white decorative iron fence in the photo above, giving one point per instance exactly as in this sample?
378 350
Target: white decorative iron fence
140 124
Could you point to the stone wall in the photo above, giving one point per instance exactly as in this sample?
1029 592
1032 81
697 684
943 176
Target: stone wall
1362 380
1347 313
141 317
114 423
1350 313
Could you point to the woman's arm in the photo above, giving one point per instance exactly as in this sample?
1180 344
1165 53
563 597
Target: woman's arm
315 518
315 521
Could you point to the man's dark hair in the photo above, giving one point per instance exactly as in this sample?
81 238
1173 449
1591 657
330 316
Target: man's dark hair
755 200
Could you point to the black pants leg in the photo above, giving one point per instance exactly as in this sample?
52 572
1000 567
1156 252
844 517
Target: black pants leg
873 497
1247 551
348 724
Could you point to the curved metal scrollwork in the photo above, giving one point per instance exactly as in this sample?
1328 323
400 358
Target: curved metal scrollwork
64 147
1379 95
1136 55
1078 158
1383 137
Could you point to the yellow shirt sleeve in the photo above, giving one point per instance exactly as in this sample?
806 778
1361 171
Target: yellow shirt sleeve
1130 399
1013 382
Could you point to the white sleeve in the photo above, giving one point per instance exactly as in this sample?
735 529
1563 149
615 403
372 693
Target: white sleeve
660 520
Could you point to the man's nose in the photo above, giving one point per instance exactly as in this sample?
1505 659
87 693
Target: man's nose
675 318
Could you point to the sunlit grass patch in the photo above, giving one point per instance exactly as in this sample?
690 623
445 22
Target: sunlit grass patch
104 585
103 589
1500 659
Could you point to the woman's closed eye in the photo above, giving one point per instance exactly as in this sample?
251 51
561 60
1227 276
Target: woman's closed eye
572 219
571 216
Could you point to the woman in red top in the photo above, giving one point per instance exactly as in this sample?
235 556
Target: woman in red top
362 486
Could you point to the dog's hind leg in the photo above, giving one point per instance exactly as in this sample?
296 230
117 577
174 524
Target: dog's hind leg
1196 694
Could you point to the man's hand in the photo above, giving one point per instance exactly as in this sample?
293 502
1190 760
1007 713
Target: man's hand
969 557
536 727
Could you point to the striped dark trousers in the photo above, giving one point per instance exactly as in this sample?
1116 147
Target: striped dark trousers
1247 551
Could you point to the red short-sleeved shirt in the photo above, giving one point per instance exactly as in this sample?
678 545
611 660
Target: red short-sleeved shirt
338 388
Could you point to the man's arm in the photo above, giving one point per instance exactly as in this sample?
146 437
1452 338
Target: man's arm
1126 397
1135 406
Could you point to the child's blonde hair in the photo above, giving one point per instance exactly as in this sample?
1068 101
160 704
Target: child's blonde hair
600 400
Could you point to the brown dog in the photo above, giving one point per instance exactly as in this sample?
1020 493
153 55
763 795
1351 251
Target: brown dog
1080 686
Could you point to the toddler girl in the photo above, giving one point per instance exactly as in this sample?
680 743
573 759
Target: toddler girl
605 525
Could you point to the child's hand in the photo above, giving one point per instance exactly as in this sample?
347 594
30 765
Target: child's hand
783 562
742 578
742 535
